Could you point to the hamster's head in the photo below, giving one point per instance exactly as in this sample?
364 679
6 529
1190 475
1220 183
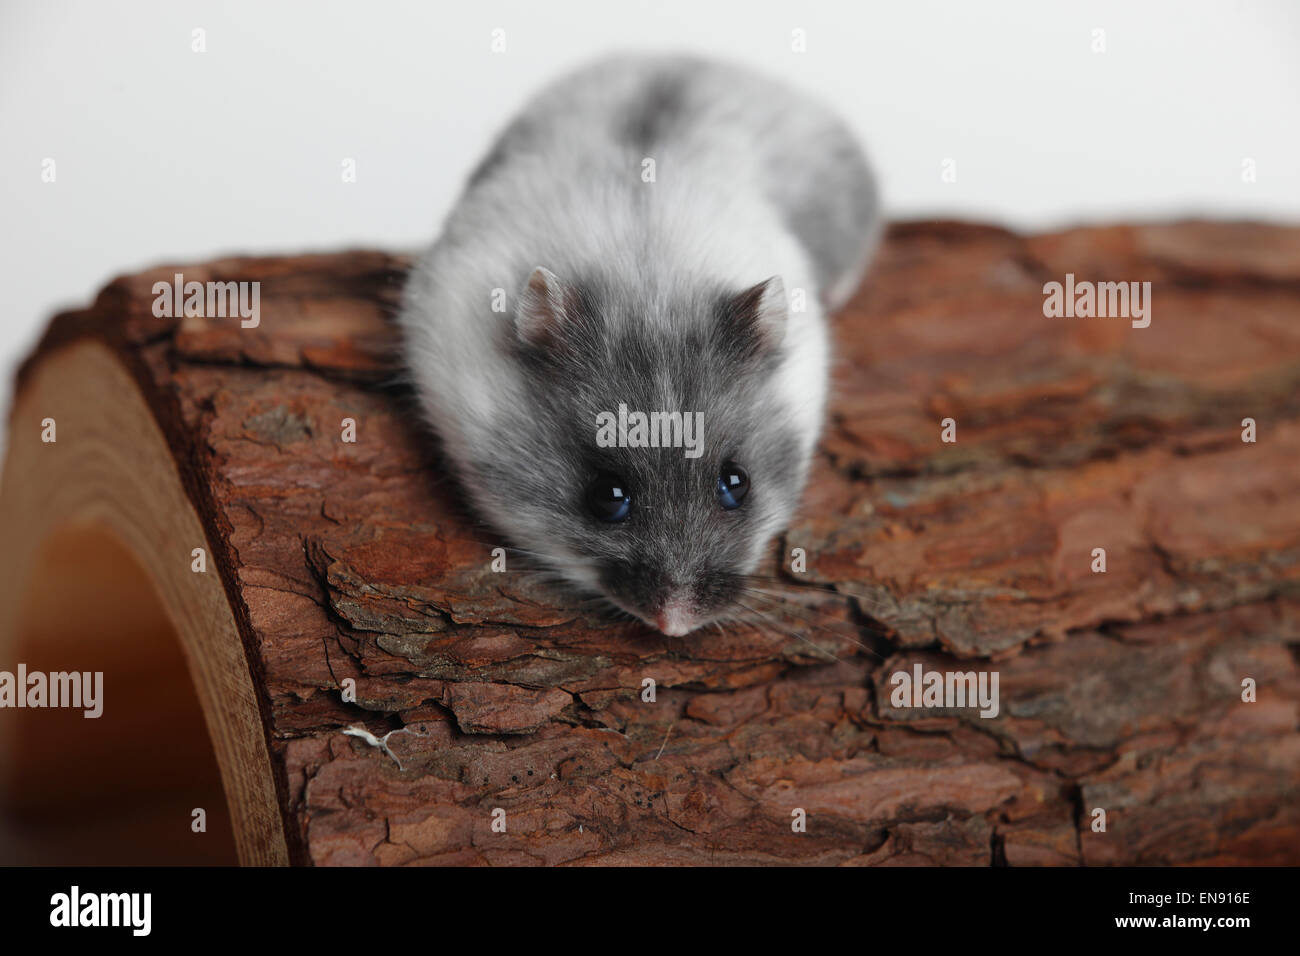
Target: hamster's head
657 447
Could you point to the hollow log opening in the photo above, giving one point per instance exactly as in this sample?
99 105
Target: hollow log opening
119 788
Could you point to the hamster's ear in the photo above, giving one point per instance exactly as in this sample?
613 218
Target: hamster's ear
760 314
543 308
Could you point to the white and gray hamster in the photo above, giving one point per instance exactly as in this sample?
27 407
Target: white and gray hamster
645 258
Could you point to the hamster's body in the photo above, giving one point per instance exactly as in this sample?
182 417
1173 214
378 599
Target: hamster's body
656 195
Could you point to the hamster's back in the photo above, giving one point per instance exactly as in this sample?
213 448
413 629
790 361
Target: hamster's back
716 129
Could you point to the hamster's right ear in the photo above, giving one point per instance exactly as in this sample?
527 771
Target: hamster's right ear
545 305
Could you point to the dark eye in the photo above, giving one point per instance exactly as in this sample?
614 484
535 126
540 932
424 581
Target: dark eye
733 485
608 497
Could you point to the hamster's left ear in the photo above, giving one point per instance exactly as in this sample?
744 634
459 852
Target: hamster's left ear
760 314
545 305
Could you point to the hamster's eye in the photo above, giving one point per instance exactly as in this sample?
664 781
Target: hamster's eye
608 497
733 485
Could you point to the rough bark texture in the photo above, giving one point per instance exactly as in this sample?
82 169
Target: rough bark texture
1119 690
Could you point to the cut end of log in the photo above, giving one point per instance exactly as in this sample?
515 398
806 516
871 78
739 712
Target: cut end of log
93 521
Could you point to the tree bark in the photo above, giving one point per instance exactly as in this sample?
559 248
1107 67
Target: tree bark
1119 690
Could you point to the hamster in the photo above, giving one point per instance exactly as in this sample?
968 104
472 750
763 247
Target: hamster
651 241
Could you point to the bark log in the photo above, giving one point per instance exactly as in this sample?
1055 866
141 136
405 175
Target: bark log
1119 691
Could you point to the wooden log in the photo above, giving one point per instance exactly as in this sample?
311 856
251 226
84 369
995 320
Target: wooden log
337 566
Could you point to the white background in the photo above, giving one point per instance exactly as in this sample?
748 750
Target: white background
163 154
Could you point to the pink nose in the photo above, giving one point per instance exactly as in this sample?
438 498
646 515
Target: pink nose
675 618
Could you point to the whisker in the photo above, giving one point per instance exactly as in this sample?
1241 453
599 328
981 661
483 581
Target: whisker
785 633
800 588
802 615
